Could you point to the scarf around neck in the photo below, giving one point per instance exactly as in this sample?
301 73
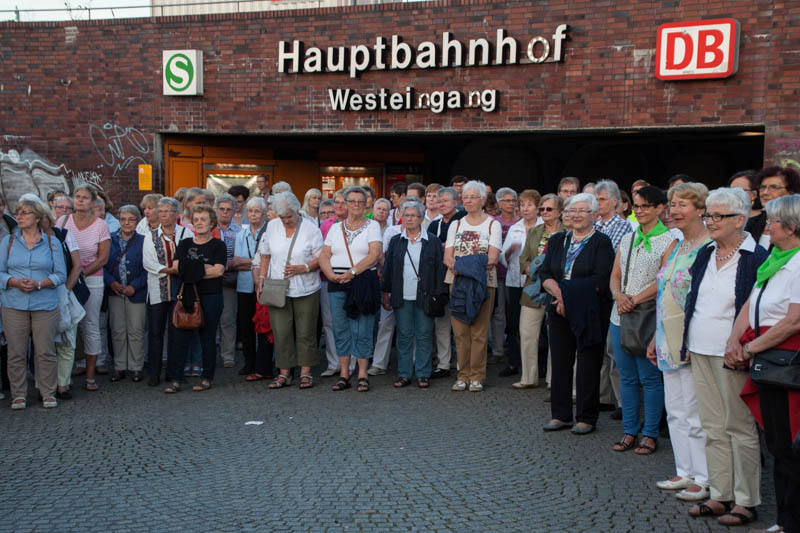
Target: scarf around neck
776 259
655 231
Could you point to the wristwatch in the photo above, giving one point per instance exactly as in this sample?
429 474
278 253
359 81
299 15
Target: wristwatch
747 349
353 272
308 268
40 284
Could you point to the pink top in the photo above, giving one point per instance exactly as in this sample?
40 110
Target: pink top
88 239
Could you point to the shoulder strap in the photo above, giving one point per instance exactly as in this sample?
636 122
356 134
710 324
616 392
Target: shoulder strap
63 221
627 268
294 238
347 246
124 251
758 304
566 242
260 233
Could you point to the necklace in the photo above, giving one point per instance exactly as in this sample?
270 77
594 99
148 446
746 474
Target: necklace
348 227
688 244
725 258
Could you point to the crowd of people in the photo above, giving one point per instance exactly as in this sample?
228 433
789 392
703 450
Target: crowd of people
665 304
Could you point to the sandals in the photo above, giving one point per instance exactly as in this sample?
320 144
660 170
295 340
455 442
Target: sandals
173 388
733 518
423 383
306 381
702 509
254 377
400 383
19 403
203 385
281 381
645 449
342 384
363 385
624 444
91 385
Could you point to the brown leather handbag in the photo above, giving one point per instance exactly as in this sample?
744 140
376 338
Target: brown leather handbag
181 318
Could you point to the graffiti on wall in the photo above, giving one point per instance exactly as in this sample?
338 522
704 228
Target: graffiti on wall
788 152
119 146
29 172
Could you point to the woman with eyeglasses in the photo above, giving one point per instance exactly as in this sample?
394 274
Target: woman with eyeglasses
576 272
633 282
773 182
722 277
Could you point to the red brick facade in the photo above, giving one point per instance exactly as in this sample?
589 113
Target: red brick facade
88 95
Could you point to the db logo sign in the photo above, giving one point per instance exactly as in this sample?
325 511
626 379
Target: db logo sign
697 50
182 72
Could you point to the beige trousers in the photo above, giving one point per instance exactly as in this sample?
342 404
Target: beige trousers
127 332
471 342
19 326
732 446
530 326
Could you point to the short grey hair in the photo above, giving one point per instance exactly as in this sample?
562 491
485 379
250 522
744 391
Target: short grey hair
357 190
256 201
505 191
30 197
225 198
88 187
280 187
171 202
325 203
382 201
64 197
477 186
414 204
132 209
786 210
734 198
584 197
448 190
283 202
610 188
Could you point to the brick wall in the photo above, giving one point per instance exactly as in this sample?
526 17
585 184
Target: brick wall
87 95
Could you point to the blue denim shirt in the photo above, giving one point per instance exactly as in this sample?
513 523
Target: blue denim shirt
246 247
45 261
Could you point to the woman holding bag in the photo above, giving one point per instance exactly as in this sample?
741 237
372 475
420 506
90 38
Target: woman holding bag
290 251
200 262
633 284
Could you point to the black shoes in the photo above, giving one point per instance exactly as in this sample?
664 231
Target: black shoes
66 395
118 376
440 373
607 407
153 381
509 371
137 376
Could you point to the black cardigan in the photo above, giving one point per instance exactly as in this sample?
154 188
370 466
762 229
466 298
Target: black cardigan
596 260
431 269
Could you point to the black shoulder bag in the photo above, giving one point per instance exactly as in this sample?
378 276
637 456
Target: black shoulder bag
774 367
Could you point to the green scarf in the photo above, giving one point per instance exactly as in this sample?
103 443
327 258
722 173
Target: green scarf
655 231
774 262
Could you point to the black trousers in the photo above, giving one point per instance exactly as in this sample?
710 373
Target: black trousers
159 319
512 326
247 329
775 413
563 347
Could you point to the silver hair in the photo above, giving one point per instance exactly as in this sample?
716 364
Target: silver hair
477 186
256 201
786 210
192 193
734 198
132 209
88 187
326 203
382 201
610 188
67 198
225 198
280 187
358 190
415 204
171 202
283 202
448 190
584 197
504 191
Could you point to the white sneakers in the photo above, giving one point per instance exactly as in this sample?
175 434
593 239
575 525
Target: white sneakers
375 371
459 386
475 386
676 483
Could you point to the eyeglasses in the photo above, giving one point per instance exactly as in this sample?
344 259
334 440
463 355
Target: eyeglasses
471 198
547 209
356 202
716 217
22 212
507 200
770 188
578 211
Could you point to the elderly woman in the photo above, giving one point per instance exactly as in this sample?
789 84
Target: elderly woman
149 206
413 271
687 204
576 272
158 257
513 243
773 182
471 254
311 203
351 251
380 212
126 279
507 217
325 210
290 250
94 242
200 262
31 267
770 320
532 313
633 282
245 251
721 278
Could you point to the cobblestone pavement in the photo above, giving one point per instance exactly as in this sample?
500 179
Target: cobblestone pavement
130 458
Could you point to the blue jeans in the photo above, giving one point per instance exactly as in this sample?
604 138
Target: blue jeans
413 325
353 336
633 372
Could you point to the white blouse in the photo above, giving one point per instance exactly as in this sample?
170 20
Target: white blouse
358 241
783 289
308 246
516 235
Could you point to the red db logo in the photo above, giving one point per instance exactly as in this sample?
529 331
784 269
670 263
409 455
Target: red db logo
697 50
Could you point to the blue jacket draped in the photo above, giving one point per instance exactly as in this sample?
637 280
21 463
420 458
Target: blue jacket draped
469 288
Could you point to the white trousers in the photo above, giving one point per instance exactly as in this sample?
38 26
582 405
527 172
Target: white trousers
685 430
383 344
327 328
